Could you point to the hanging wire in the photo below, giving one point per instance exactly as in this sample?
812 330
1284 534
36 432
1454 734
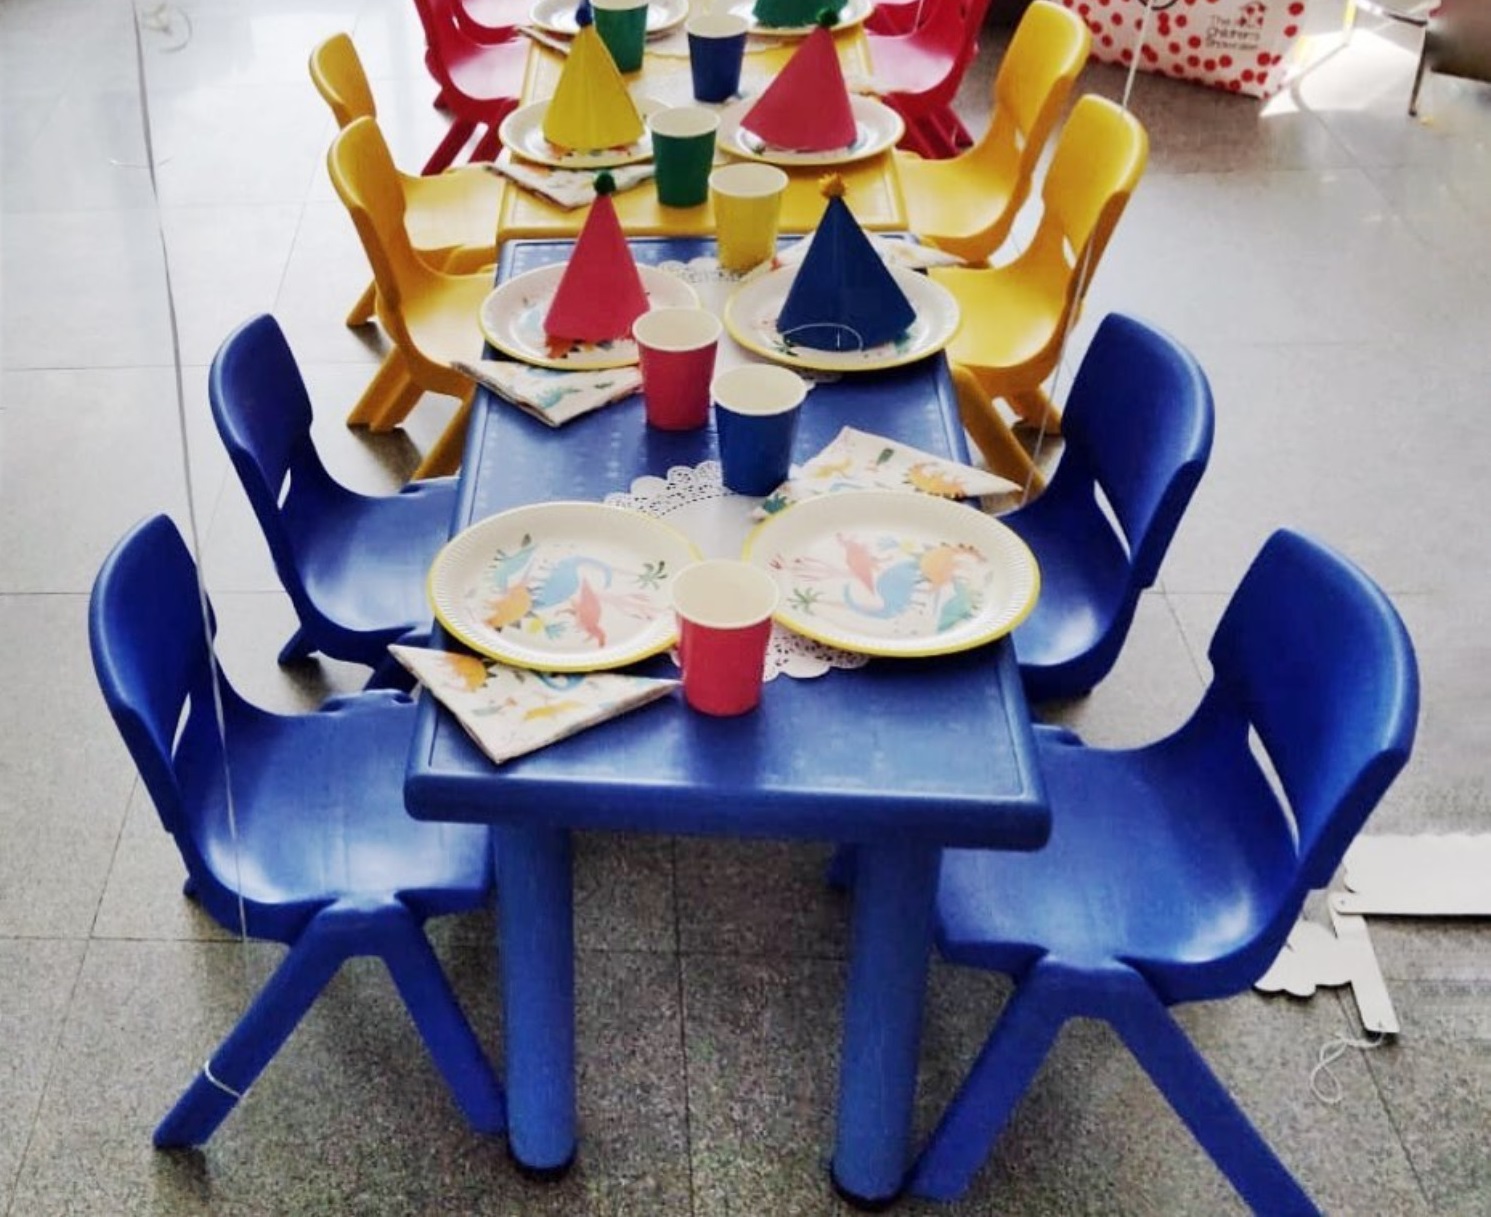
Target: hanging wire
186 464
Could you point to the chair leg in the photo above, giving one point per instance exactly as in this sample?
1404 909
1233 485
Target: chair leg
487 147
389 382
444 458
1209 1111
397 410
251 1045
432 1004
1035 408
362 311
991 435
449 148
1006 1065
297 648
1418 81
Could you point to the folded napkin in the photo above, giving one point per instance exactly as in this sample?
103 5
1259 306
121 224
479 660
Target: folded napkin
907 255
857 460
509 711
568 188
551 396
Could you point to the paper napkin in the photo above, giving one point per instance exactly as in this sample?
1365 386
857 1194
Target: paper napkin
509 711
568 188
550 395
857 460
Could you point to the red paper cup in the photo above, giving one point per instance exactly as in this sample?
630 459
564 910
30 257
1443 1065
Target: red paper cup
724 612
677 346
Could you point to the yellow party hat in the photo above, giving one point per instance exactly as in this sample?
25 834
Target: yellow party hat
591 108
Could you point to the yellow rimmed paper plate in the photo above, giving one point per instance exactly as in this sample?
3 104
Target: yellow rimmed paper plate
512 320
558 16
877 128
888 573
561 587
523 131
752 310
853 13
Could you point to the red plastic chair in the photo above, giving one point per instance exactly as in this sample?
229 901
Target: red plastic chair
896 18
479 81
920 72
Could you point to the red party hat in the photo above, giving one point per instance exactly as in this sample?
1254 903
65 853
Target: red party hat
600 293
806 108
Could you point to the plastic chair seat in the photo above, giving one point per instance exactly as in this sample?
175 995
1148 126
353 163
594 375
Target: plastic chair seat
319 808
397 536
967 203
454 212
941 194
1182 878
1086 588
1008 321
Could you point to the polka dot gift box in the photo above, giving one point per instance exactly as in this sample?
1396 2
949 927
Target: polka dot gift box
1242 46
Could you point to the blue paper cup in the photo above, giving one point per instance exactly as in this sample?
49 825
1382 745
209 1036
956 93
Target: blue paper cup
756 407
716 51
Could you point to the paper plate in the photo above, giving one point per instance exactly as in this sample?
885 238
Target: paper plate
853 13
512 320
877 128
558 16
561 587
523 131
751 317
888 573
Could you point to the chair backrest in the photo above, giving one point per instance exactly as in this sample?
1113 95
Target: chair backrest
1041 64
337 73
447 43
263 413
152 657
368 183
1311 655
1138 425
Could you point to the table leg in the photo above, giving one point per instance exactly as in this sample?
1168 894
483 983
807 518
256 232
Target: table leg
536 947
895 887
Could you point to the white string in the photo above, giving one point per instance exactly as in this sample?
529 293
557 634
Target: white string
826 325
1324 1083
221 1085
1128 85
186 468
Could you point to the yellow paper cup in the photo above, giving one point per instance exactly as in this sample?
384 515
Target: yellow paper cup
747 201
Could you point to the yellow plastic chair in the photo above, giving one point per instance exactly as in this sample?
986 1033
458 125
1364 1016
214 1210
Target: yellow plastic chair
430 316
451 216
1015 317
966 205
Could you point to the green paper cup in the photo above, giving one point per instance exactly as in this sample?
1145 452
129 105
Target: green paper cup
683 139
622 25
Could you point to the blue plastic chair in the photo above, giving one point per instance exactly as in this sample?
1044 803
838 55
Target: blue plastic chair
1138 431
324 859
353 565
1174 873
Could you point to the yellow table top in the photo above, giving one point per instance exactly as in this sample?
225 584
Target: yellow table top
873 189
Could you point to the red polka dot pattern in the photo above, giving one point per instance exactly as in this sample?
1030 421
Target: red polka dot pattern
1228 44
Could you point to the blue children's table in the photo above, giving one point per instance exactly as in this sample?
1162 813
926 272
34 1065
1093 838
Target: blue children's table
898 758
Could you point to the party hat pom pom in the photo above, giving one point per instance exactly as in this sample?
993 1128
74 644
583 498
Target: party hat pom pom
827 18
583 14
831 186
604 183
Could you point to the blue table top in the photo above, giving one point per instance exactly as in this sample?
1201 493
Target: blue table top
933 749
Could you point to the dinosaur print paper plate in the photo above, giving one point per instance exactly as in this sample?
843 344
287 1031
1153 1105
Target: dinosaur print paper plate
561 587
885 573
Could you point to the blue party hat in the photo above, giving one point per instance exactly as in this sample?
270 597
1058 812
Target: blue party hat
843 298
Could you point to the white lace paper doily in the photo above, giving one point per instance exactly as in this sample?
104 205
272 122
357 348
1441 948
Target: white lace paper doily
694 500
